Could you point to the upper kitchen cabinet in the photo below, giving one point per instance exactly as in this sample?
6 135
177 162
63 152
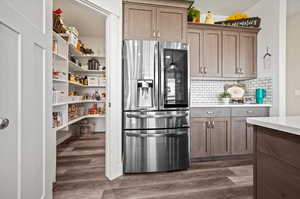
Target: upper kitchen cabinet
231 54
212 53
205 53
248 55
222 52
171 24
145 21
139 22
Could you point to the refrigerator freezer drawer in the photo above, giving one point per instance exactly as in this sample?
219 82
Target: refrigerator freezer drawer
156 119
156 150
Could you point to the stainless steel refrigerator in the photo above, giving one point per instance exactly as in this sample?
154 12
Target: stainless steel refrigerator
156 124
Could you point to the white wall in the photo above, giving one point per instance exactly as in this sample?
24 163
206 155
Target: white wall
293 65
113 6
113 146
273 15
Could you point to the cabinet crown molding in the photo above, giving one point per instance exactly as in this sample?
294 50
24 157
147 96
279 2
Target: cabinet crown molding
222 27
172 3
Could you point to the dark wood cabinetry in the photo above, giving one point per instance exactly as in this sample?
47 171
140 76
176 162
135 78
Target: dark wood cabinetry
217 132
210 137
241 136
220 52
154 22
139 21
276 164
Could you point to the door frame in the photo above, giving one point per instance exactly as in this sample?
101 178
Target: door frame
113 46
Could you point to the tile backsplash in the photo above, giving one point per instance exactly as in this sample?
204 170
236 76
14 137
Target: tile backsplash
207 92
265 82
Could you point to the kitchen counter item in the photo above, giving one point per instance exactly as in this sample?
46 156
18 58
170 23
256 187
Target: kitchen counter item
260 95
237 91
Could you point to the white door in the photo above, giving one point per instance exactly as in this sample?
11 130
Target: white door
25 96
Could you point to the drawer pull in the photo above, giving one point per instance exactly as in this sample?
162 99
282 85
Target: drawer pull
249 111
210 112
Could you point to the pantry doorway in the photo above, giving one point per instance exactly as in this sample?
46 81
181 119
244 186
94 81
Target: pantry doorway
86 59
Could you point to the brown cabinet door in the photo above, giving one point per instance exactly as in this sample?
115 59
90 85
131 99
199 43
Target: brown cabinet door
220 136
200 138
241 136
248 55
195 40
139 22
171 24
212 53
230 51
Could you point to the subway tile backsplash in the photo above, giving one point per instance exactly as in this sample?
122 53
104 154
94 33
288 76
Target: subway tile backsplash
207 92
252 85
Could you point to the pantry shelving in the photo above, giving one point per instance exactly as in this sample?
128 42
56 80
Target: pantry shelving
60 80
63 87
78 102
76 68
84 86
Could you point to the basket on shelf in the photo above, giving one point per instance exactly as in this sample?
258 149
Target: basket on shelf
249 22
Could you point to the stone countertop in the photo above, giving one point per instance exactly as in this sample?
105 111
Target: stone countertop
229 105
286 124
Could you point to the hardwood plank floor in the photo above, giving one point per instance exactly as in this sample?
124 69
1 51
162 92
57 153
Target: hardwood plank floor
81 175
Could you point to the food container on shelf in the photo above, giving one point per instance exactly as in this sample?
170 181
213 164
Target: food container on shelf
93 81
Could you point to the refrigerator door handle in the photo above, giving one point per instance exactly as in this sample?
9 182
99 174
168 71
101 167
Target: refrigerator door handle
156 116
155 134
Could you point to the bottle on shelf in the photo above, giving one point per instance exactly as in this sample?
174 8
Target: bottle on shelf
209 18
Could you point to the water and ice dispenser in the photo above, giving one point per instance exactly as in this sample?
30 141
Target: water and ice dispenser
145 93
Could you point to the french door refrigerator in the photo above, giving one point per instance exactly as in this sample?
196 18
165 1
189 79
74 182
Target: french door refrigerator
156 124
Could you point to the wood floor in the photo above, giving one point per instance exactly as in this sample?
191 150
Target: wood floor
80 175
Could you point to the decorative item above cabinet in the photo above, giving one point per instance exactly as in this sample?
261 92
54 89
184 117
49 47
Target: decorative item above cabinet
145 21
219 52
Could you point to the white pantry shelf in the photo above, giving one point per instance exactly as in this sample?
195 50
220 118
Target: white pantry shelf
91 56
76 68
60 80
85 86
59 57
61 127
78 102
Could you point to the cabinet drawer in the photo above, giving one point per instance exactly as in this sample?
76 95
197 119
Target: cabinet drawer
250 112
210 112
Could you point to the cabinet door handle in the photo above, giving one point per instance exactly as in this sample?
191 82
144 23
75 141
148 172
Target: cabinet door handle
242 72
205 70
213 124
158 34
154 34
210 112
201 69
208 124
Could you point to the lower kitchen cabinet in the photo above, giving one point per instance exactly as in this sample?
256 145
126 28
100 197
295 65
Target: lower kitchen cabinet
241 136
220 136
200 138
220 132
210 137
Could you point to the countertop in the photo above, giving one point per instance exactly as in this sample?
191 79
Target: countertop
286 124
228 105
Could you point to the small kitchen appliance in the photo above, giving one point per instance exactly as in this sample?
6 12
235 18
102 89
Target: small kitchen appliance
260 95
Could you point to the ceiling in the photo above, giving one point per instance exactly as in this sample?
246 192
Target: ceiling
87 21
224 7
